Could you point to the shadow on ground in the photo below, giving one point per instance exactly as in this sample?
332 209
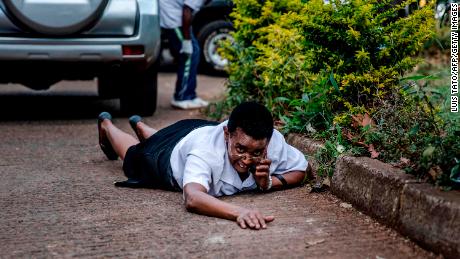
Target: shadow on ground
67 100
169 67
43 106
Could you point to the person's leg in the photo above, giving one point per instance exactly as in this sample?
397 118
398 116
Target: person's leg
175 42
142 130
145 130
185 92
190 89
119 139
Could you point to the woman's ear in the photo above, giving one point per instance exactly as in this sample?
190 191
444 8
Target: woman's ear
226 133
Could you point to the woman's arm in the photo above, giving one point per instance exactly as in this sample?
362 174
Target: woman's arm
198 201
261 176
293 178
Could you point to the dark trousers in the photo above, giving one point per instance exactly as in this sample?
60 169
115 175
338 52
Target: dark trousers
187 65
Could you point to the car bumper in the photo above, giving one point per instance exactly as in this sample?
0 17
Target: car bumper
101 49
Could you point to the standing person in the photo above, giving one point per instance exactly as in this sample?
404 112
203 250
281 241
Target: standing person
206 159
176 22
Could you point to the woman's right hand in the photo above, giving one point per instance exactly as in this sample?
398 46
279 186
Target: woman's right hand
253 219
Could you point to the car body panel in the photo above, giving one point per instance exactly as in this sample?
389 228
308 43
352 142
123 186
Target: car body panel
102 46
148 35
118 19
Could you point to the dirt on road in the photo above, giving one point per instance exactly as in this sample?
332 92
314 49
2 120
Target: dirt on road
58 199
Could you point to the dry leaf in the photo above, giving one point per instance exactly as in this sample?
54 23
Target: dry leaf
403 162
360 120
327 182
374 153
346 205
347 134
367 121
435 172
357 120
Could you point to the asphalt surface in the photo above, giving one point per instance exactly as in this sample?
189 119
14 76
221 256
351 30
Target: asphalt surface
58 200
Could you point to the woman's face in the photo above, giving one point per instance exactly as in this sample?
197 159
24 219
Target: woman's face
243 150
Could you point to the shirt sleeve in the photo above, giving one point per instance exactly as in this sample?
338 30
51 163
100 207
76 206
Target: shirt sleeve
194 4
197 171
285 158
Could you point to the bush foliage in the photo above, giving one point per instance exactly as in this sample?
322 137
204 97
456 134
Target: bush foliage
333 70
346 55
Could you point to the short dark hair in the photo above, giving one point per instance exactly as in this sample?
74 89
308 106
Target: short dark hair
254 119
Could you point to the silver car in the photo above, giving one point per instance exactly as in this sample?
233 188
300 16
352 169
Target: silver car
115 41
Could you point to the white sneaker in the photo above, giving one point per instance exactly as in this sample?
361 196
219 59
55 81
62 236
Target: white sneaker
189 104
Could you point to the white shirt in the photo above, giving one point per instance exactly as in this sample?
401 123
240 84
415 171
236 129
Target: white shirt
202 157
171 11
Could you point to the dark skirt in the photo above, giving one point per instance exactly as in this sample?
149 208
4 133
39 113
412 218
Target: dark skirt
149 162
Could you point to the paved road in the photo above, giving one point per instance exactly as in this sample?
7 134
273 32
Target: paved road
58 200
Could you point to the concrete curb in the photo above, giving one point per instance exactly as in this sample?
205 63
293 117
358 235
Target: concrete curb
308 147
418 210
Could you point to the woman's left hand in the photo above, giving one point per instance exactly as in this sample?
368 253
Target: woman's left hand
262 173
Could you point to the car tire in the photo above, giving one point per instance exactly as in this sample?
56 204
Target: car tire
139 92
208 36
107 86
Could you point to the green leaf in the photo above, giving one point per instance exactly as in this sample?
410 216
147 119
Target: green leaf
455 174
305 97
435 91
420 77
428 152
333 82
281 99
339 134
414 129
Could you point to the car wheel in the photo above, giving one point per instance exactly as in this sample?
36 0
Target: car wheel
139 92
107 86
209 37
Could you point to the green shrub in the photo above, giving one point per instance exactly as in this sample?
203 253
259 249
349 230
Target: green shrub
416 131
333 71
348 55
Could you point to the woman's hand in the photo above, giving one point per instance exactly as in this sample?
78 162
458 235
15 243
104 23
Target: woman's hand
262 173
253 219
